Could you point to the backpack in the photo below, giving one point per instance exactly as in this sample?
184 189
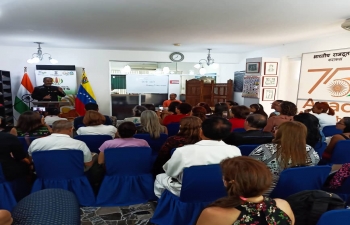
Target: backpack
308 206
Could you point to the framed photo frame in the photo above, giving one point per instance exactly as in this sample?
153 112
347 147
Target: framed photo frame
269 94
271 68
270 81
252 67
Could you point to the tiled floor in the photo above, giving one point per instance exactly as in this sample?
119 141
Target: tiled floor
124 215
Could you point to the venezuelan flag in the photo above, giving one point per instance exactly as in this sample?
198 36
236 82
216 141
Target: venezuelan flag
85 95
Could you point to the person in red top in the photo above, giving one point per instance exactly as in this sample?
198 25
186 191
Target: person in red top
172 96
182 110
239 113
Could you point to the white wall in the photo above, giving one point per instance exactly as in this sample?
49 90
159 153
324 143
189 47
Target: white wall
95 62
290 55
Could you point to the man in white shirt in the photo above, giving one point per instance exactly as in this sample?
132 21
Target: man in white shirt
61 139
210 150
52 116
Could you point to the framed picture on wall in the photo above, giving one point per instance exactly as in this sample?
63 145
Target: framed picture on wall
253 67
271 68
270 81
269 94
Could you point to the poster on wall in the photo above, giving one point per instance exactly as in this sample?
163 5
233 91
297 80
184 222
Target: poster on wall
67 80
251 86
325 76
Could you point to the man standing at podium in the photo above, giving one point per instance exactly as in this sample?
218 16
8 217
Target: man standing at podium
47 92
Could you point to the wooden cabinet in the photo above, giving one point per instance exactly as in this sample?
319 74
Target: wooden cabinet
6 110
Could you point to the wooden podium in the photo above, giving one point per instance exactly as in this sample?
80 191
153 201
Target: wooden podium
49 104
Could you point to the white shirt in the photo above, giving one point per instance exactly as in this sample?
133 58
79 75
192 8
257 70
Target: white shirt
204 152
59 142
49 120
325 120
98 130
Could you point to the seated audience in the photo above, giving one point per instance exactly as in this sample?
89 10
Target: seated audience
288 149
188 134
239 113
78 122
210 150
246 180
172 97
126 133
61 139
136 111
276 105
221 110
31 124
150 125
200 112
257 109
94 125
314 137
12 157
324 113
340 176
253 135
5 217
206 106
172 108
344 125
231 104
287 111
52 116
182 110
150 107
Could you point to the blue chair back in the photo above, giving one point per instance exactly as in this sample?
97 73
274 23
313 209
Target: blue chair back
63 169
320 147
8 200
341 152
50 206
247 149
155 144
202 184
93 142
173 129
128 178
330 131
172 151
25 141
298 179
239 130
339 217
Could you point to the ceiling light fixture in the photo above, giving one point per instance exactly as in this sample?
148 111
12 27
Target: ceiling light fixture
37 57
209 61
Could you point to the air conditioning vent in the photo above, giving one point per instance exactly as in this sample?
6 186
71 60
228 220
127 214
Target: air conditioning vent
144 66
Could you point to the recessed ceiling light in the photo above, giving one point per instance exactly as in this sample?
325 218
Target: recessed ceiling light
177 44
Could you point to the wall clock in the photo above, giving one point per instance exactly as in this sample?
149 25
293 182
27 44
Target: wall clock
176 57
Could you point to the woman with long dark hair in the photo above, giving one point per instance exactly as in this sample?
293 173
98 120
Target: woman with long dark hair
219 110
246 180
288 110
257 109
313 136
31 124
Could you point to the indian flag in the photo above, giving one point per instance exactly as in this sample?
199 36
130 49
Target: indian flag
26 88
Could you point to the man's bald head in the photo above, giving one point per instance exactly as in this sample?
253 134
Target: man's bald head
256 121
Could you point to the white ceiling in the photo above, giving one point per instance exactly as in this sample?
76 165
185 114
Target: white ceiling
224 25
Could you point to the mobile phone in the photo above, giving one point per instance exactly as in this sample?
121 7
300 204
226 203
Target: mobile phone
41 109
161 108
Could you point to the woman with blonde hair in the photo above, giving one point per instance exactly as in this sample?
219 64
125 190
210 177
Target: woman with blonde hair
288 149
150 125
189 133
246 180
94 125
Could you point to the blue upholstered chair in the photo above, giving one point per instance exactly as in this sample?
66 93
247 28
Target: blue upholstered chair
239 130
320 147
93 142
247 149
26 142
173 129
330 131
7 198
201 185
298 179
339 217
343 191
128 178
341 152
155 144
50 206
63 169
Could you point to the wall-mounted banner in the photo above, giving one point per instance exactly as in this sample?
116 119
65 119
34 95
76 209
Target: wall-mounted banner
325 76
